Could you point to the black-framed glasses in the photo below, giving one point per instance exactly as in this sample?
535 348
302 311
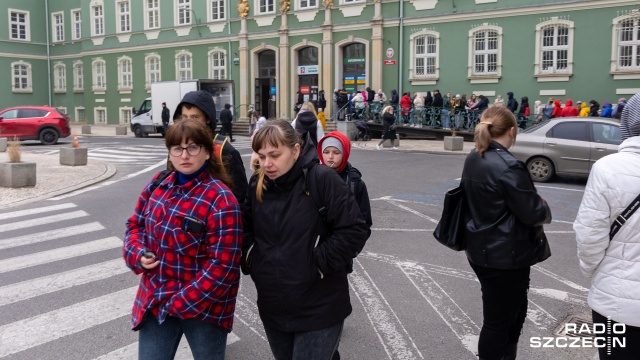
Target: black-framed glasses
192 150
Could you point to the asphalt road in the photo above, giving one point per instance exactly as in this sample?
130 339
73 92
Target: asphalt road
66 294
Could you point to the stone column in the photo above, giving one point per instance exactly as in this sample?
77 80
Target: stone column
377 49
245 84
327 60
284 98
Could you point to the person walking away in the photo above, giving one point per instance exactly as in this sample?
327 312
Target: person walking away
594 108
388 120
166 115
226 119
418 105
187 251
253 119
503 231
612 263
303 296
606 110
405 106
617 112
569 109
512 104
307 122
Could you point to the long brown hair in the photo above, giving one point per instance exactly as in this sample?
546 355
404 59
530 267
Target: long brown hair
275 133
494 123
198 132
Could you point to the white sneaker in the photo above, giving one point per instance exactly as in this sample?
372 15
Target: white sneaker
395 148
378 147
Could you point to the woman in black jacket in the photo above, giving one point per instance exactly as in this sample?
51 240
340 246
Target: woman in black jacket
503 233
301 228
388 121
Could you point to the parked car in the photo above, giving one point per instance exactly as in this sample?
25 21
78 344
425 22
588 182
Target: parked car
566 146
42 123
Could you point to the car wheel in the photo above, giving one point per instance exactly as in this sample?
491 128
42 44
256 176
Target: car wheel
137 131
49 136
541 169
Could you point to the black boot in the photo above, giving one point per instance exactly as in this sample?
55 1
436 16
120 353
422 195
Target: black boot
336 355
510 352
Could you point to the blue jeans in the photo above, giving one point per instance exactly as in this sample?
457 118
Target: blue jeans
160 342
445 118
304 345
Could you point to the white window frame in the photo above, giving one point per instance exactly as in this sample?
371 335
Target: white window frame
60 78
77 111
184 73
346 2
152 75
99 119
99 78
306 4
484 76
269 7
26 24
413 39
97 20
27 76
216 10
57 27
78 76
76 21
183 16
151 15
545 74
125 115
125 74
634 43
217 71
123 18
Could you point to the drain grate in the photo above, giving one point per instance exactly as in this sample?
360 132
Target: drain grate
579 322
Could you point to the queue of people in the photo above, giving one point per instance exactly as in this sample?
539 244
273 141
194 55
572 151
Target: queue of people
305 214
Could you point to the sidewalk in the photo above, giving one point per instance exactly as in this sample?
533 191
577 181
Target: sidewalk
54 179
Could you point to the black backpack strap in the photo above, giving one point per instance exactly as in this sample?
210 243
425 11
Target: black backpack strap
163 175
310 188
624 216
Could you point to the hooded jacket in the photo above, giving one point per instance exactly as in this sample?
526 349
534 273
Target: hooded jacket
394 97
617 112
569 109
595 107
438 101
405 104
512 104
606 110
299 257
307 122
418 102
204 101
557 109
226 117
584 110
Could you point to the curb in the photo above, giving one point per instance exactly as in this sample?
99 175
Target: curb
363 146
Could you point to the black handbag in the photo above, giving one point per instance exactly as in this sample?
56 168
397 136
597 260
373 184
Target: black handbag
450 229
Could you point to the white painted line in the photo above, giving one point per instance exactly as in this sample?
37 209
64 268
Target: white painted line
43 220
110 182
137 151
403 230
41 329
390 259
119 161
247 313
40 210
558 232
393 202
68 252
51 152
560 278
558 188
562 222
382 317
50 235
137 156
564 296
540 317
385 198
47 284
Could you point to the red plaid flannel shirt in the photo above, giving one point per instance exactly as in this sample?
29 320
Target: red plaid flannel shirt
199 274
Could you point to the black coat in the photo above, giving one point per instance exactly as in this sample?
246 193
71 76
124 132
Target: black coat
232 162
290 243
166 115
505 213
438 102
226 117
370 95
387 121
395 99
353 178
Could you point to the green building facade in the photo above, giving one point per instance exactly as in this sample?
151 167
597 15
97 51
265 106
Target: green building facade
96 59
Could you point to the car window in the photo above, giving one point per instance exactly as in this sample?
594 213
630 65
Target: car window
534 127
32 113
11 114
570 131
146 106
606 133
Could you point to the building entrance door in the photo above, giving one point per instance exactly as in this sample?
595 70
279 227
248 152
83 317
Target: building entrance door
265 93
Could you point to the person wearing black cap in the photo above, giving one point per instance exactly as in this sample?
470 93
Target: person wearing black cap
166 114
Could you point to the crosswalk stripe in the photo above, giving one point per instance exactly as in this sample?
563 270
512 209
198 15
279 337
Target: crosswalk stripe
68 252
122 155
50 235
41 329
47 284
123 161
40 210
42 220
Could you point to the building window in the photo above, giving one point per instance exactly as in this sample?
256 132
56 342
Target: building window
100 115
307 4
99 75
266 6
217 65
485 53
76 17
183 12
152 14
183 65
78 77
351 1
80 114
97 15
124 16
424 61
59 78
124 74
19 23
125 116
21 79
57 22
554 48
216 10
626 54
152 65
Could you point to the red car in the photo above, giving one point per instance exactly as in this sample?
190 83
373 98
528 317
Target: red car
42 123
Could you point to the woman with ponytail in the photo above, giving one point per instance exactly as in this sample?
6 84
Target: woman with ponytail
503 231
301 228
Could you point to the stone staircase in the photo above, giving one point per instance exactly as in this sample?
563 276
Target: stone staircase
241 127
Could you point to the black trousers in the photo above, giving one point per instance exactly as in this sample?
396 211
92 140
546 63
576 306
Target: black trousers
504 308
630 339
227 130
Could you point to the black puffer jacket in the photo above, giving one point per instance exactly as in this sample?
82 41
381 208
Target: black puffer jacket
289 244
307 122
505 213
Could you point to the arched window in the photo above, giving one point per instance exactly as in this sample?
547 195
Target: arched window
217 64
125 75
152 69
78 76
59 78
626 52
183 65
99 75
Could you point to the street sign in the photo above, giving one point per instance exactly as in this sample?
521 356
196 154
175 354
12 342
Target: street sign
390 53
389 62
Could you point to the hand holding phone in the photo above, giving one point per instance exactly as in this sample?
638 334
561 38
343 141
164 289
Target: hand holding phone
148 260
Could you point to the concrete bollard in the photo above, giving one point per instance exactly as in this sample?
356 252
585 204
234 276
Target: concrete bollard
73 156
453 143
86 129
121 130
15 175
348 128
3 144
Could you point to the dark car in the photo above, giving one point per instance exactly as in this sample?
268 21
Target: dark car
566 146
42 123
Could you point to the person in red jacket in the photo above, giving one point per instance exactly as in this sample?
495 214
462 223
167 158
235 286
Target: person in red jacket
405 106
557 109
569 109
185 238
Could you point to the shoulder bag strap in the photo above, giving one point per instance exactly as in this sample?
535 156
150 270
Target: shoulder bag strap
624 216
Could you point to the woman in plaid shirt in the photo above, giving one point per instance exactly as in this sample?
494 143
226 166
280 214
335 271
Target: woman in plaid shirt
185 240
